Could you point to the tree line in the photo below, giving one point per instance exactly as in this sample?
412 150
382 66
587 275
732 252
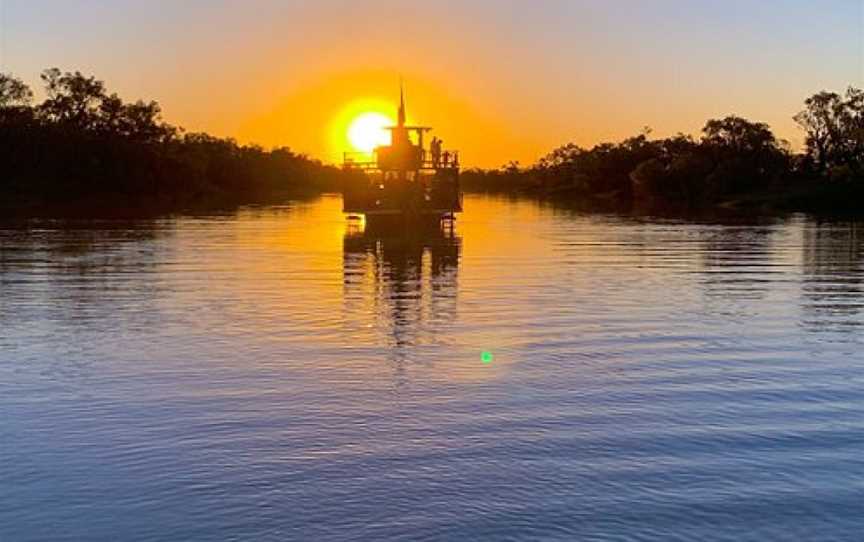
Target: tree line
735 162
83 144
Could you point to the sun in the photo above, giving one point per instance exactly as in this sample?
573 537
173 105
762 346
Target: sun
368 131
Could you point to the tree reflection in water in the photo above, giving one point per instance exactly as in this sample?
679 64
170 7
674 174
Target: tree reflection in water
833 285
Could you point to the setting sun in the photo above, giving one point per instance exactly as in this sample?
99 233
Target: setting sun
369 131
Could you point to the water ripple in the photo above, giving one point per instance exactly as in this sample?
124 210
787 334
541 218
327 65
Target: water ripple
282 374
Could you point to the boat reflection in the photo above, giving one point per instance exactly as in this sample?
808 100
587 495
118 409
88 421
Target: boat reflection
404 279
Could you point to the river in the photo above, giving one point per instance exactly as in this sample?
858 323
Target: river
282 373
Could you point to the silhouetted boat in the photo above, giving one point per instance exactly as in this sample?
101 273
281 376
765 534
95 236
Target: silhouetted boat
404 181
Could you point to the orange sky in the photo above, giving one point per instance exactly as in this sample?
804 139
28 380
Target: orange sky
498 79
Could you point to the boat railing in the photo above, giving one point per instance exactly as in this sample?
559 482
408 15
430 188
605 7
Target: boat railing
369 161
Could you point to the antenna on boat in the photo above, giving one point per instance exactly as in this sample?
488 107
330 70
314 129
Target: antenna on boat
401 102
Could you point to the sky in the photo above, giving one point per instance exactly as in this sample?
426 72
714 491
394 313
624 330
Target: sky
500 80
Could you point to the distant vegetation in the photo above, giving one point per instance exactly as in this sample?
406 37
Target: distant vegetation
85 147
736 163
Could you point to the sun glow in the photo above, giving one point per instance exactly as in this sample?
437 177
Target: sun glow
369 131
359 125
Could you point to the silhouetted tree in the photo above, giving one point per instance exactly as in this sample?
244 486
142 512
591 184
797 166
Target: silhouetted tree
738 136
13 92
73 99
747 155
834 125
675 176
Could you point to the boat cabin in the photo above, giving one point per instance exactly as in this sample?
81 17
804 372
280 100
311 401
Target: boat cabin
404 179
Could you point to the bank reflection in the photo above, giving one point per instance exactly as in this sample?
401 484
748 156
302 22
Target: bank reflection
737 265
402 279
81 273
833 285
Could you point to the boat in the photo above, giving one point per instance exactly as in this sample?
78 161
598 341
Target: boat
403 182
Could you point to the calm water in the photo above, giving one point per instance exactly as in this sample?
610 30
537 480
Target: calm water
281 374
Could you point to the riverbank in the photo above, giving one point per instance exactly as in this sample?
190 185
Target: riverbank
84 148
812 197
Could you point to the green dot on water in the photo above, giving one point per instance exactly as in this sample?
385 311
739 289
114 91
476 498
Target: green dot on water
486 357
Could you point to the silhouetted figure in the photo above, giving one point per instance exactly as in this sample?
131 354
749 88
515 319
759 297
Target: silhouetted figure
446 158
435 148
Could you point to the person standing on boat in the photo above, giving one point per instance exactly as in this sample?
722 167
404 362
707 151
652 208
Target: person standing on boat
435 147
